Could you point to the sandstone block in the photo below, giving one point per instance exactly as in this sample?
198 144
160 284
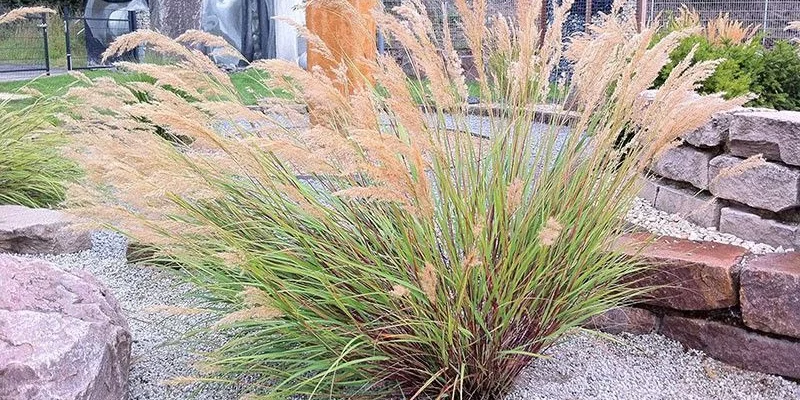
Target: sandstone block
752 227
716 131
633 320
684 164
770 293
648 191
736 346
62 335
32 231
686 275
698 208
774 134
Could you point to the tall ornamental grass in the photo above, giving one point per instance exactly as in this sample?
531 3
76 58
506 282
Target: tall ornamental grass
382 248
33 170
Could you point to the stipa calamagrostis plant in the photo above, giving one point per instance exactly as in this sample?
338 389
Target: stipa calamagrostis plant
382 248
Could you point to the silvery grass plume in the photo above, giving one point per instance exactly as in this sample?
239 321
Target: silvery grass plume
391 247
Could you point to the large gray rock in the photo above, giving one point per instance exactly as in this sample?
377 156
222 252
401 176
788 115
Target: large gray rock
648 191
173 18
696 207
62 335
35 231
716 131
774 134
753 227
768 185
685 164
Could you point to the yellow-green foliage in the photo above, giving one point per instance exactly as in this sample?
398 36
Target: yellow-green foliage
33 171
383 248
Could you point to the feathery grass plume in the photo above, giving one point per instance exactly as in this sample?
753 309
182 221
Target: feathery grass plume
793 26
403 249
22 13
723 29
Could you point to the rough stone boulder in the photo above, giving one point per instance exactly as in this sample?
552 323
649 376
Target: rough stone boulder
769 186
685 164
770 293
62 335
773 134
39 231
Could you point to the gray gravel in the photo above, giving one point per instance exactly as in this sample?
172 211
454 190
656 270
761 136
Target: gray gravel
585 366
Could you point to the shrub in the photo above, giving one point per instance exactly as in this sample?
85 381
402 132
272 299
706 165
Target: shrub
777 80
383 251
33 172
734 75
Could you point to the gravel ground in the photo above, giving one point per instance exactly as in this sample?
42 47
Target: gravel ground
586 366
582 366
659 222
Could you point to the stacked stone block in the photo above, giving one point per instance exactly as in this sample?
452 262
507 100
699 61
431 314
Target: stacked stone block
714 180
740 308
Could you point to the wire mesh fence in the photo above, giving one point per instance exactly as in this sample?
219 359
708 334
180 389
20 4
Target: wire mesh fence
771 16
87 39
23 45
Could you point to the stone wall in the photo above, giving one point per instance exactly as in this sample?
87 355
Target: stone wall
740 308
708 181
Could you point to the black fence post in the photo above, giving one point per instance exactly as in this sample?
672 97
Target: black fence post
46 44
68 38
132 27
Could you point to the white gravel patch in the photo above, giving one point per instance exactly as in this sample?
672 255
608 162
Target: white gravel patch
662 223
164 346
587 366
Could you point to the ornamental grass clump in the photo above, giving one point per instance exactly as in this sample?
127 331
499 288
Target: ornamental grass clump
33 170
382 248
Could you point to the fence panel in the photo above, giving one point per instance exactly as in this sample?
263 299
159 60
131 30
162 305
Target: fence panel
23 46
771 16
87 39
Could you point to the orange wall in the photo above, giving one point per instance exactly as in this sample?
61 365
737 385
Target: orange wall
348 38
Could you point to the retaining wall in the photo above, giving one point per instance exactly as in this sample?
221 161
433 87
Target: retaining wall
740 308
708 181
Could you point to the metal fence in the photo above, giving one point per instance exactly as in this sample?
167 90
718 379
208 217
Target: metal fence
24 46
771 16
87 39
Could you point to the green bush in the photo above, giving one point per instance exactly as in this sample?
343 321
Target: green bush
734 76
33 171
777 80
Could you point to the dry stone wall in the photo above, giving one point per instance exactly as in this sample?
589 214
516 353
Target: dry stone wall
740 308
710 180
